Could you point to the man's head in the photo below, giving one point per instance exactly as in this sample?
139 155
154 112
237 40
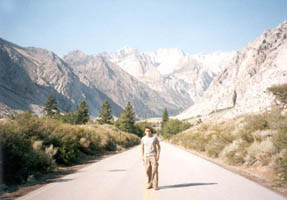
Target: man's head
148 131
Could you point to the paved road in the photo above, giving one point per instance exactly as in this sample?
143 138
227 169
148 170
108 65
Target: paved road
182 176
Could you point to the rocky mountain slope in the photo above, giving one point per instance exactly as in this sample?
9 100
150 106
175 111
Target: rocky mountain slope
242 86
29 75
178 77
151 81
99 72
143 68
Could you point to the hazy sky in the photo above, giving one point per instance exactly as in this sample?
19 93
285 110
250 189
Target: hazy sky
94 26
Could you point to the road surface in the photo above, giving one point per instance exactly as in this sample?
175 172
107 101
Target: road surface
182 176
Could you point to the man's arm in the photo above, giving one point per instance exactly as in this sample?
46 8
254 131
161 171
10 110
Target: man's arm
143 151
158 152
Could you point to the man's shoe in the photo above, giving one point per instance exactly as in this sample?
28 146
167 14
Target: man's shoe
156 188
148 187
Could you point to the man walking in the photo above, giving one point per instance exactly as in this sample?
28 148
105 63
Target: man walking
150 154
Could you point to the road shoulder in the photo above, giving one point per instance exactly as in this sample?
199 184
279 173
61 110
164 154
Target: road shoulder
14 192
238 170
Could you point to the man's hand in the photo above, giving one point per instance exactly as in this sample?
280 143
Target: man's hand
157 157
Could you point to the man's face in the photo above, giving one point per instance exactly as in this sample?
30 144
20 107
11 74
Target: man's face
148 132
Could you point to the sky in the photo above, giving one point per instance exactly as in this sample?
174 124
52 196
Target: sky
95 26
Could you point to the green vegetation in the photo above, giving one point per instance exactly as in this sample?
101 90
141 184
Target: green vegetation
80 116
126 121
140 128
32 145
51 108
105 116
254 141
165 118
280 91
174 126
82 113
170 127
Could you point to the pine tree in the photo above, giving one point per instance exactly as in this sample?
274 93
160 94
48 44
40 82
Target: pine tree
126 122
82 114
105 115
165 117
51 108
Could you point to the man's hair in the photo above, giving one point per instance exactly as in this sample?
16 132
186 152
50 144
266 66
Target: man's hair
147 127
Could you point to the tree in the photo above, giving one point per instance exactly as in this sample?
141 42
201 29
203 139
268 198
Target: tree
126 121
51 108
165 118
82 114
105 115
69 117
174 126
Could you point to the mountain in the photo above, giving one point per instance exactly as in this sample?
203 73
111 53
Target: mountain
121 87
234 82
177 77
167 60
241 87
29 75
141 66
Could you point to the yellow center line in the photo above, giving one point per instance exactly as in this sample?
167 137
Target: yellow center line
148 194
152 195
144 194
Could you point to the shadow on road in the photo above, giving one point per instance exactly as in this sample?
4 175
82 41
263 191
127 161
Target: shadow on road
184 185
117 170
63 180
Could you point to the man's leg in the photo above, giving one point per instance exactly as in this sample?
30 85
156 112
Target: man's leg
148 168
154 175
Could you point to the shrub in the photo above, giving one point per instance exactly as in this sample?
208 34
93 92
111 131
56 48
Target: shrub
235 158
194 140
280 139
140 128
281 167
174 126
20 160
256 122
67 143
260 151
280 142
33 145
280 91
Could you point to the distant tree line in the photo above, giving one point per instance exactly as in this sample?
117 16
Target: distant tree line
170 127
126 121
80 116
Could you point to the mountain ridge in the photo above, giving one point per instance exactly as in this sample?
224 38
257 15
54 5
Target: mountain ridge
242 86
197 84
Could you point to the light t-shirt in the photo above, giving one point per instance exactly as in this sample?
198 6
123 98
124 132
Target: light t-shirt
150 145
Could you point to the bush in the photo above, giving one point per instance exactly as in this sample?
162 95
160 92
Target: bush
140 128
197 141
235 158
280 91
256 122
174 126
20 160
67 143
280 139
280 142
33 145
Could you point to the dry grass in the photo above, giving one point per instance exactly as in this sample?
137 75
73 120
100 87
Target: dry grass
257 142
